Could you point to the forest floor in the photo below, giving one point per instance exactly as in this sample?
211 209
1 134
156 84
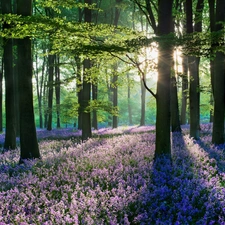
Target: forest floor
113 179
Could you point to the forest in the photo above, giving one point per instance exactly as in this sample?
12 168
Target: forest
112 112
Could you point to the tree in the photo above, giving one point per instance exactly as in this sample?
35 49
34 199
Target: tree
219 79
57 89
164 73
28 139
193 65
10 137
86 92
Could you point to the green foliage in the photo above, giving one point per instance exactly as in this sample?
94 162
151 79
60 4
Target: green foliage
69 109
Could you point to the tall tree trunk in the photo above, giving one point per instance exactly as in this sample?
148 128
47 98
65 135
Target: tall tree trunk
50 89
115 76
193 65
184 89
163 83
86 114
10 136
175 120
28 138
194 96
79 88
219 81
212 29
15 72
57 90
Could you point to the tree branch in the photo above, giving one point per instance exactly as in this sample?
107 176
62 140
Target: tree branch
142 75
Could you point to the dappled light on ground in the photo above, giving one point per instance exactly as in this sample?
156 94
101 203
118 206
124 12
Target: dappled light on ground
113 180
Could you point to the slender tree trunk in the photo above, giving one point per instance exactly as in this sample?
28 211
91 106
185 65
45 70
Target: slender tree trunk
115 76
57 89
10 136
175 120
28 138
50 89
79 88
163 83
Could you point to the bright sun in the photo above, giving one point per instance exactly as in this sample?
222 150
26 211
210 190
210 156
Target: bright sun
149 60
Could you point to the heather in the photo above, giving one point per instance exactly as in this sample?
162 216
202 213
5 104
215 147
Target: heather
113 179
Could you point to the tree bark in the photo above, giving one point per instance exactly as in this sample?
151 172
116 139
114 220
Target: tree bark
57 90
184 89
10 134
218 81
175 120
163 83
193 65
50 90
86 114
28 138
79 88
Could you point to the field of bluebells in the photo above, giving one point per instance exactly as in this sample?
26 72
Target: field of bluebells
112 179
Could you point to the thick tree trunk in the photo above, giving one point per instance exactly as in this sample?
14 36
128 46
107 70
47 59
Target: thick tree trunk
219 81
184 90
219 109
86 114
163 83
28 138
10 136
194 96
193 65
15 74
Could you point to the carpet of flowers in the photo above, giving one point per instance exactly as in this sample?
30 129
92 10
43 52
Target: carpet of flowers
114 180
